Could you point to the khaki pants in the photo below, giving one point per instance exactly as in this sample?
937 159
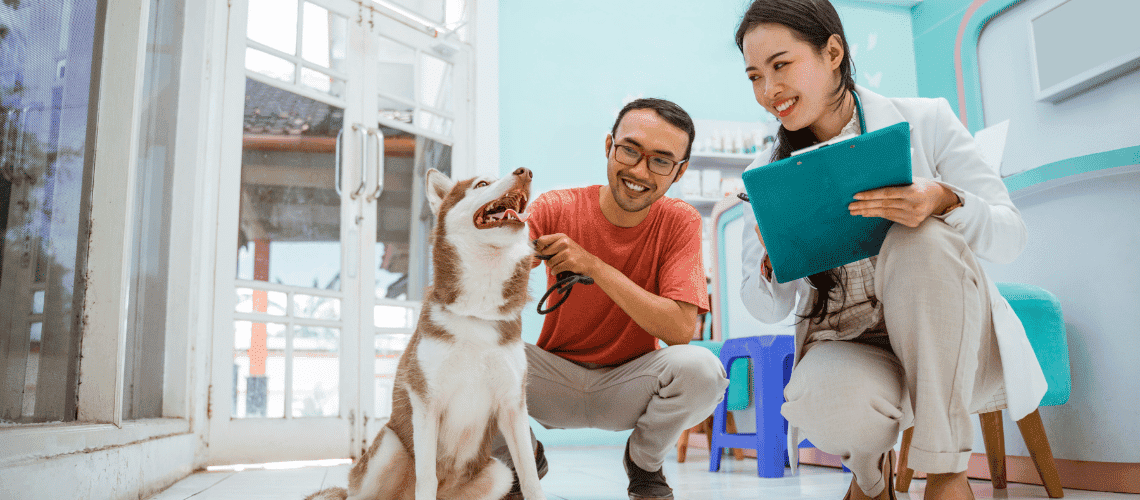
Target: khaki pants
658 395
851 398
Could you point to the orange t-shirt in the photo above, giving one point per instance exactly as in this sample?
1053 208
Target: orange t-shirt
662 254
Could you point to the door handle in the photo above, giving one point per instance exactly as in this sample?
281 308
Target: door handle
6 169
337 181
379 163
12 166
20 160
361 130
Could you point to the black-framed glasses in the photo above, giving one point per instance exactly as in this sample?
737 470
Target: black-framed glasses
630 155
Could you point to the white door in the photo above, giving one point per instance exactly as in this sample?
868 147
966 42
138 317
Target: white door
342 109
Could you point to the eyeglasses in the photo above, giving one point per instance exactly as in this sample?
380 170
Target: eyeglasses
631 155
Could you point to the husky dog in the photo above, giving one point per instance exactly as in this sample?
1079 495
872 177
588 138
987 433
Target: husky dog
463 375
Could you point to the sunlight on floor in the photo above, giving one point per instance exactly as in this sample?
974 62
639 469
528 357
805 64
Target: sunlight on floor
588 473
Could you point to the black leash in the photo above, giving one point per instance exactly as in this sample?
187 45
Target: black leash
565 283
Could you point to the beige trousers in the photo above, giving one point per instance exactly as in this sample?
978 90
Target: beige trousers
658 395
851 398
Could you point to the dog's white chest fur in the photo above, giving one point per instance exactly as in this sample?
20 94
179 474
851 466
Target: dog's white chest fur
469 376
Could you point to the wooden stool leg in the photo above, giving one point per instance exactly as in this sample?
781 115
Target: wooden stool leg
904 474
737 453
683 446
707 428
994 437
1033 431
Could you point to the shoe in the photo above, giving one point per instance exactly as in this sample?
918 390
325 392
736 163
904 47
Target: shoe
887 467
539 461
644 485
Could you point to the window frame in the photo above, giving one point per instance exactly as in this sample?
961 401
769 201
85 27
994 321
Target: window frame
112 152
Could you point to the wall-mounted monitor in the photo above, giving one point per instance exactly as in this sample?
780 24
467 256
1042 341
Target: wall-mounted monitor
1078 44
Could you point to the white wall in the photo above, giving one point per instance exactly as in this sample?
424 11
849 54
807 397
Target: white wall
1083 239
486 43
1101 119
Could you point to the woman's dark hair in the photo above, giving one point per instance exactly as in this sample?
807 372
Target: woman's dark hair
813 22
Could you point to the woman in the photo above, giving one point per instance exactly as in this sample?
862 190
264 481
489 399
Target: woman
917 335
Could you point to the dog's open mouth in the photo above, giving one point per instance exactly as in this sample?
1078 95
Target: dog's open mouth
507 210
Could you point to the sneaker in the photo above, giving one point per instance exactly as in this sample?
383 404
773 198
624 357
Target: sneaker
644 485
539 460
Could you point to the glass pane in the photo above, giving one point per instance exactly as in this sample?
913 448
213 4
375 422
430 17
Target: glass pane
289 230
392 109
325 38
316 372
273 23
261 301
316 307
433 122
455 17
389 348
435 82
45 79
431 10
146 337
32 371
393 317
396 75
38 302
322 83
259 370
272 66
403 218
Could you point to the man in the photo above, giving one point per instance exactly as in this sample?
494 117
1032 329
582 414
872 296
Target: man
597 362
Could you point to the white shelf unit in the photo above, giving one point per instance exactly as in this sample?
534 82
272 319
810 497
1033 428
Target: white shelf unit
731 165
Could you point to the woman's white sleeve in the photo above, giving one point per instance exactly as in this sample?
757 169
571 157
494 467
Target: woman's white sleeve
987 219
767 300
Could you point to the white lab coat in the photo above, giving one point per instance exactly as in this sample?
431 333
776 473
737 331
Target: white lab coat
941 149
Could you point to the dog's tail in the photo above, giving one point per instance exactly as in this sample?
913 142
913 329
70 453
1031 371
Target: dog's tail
329 494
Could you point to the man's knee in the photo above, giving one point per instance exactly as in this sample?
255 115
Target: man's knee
697 369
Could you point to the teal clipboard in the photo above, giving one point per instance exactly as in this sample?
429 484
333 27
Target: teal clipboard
801 202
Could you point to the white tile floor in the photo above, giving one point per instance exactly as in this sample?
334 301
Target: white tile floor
596 474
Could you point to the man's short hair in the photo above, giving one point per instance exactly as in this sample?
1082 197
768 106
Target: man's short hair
668 110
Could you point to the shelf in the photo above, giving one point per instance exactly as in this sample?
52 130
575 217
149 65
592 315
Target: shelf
722 159
698 201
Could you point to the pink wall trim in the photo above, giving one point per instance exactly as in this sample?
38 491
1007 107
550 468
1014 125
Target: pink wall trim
974 5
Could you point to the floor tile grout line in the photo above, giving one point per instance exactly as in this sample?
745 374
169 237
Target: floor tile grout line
203 490
324 478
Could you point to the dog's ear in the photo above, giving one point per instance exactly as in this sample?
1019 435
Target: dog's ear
438 185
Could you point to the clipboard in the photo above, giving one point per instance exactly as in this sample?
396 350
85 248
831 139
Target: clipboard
801 201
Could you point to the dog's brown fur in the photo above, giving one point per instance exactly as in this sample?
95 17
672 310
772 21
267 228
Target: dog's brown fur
393 452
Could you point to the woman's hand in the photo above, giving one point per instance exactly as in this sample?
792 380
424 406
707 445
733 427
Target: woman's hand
907 205
766 266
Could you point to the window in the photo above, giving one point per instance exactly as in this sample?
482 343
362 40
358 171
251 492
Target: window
146 335
44 117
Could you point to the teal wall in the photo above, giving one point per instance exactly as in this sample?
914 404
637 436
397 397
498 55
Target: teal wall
936 24
565 69
565 72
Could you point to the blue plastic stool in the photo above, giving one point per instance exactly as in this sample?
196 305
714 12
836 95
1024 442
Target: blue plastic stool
772 357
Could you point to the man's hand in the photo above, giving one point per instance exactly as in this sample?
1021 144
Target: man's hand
566 255
907 205
672 321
